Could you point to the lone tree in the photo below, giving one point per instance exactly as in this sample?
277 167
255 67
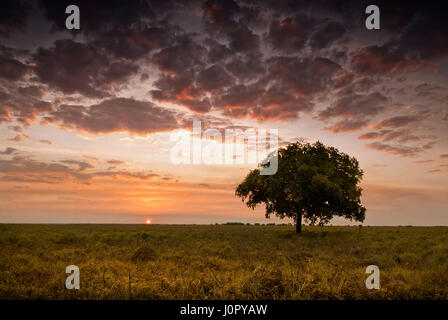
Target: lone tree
313 181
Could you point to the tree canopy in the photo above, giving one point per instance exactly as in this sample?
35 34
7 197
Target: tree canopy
313 181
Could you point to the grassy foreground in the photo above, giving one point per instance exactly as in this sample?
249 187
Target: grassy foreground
222 262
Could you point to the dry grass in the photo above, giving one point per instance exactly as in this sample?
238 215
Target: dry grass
222 262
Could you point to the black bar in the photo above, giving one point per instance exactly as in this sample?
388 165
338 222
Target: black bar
171 309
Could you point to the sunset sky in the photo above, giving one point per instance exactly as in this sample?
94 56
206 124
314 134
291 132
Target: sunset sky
86 115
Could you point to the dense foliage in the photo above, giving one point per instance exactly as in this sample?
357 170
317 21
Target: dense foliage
313 181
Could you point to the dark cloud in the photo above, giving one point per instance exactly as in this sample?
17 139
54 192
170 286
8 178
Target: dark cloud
267 60
115 115
425 34
216 51
246 67
232 21
27 169
347 125
181 57
213 78
282 92
99 16
261 104
303 77
33 91
384 135
14 15
327 35
173 87
12 52
4 96
182 90
403 151
238 100
12 69
398 121
9 151
401 136
395 16
386 60
22 108
243 40
75 67
135 43
276 104
291 34
220 16
354 109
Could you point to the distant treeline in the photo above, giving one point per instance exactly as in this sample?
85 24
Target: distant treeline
252 224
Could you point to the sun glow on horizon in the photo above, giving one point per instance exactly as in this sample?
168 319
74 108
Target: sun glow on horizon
148 221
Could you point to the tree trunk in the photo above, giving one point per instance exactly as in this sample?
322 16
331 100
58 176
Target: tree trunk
299 223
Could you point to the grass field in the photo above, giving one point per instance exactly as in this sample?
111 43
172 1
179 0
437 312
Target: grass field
222 262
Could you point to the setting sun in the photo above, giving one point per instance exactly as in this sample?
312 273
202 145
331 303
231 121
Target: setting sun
148 221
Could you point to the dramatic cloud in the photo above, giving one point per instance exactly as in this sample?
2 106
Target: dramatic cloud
32 91
328 34
303 77
386 60
213 78
181 57
263 60
142 67
75 67
291 34
246 67
22 107
286 89
181 90
115 115
216 51
135 43
12 69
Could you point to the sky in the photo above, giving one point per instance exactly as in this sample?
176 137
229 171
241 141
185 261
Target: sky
87 116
